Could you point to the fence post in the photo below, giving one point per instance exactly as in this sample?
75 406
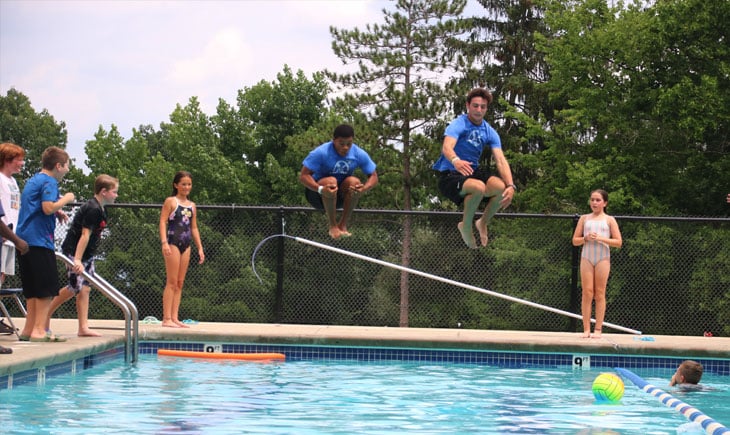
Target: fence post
279 294
575 293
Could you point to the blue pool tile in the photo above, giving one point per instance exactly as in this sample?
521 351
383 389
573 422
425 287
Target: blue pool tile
647 364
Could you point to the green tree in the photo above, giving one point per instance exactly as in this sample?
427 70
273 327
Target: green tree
399 87
509 63
647 113
194 144
253 135
34 131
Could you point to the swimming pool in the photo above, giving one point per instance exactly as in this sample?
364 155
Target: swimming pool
369 392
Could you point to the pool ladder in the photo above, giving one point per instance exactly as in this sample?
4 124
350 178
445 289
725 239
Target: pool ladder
131 316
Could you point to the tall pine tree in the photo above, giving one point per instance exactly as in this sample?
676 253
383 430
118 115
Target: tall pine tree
402 66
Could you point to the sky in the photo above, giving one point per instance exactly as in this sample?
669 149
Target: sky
94 63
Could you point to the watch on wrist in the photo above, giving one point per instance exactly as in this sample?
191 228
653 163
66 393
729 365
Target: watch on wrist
319 189
512 186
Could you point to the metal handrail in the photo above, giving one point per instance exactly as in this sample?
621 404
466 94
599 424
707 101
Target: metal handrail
131 315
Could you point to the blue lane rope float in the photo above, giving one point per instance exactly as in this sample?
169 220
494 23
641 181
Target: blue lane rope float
428 275
711 427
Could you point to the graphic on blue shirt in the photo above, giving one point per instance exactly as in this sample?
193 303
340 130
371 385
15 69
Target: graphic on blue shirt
471 140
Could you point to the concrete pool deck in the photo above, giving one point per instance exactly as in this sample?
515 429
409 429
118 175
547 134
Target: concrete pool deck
30 355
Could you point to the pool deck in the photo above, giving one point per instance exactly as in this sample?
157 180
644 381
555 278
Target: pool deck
29 355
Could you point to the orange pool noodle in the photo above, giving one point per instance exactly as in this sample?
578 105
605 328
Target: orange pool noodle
219 355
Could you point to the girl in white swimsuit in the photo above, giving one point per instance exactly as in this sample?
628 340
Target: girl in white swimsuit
597 232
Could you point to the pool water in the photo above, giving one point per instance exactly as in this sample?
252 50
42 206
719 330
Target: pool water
161 395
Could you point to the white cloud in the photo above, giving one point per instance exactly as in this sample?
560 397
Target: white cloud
129 62
225 55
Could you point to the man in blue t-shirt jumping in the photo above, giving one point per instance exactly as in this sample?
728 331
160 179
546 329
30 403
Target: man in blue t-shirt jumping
328 175
462 179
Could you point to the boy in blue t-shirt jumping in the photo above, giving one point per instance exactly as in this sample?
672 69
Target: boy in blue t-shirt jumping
328 175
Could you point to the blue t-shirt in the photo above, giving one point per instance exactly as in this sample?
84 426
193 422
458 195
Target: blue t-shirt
324 161
34 226
470 142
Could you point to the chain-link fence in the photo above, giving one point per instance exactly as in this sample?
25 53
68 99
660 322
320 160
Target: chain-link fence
672 275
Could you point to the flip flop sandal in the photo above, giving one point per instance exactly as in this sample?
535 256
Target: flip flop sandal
48 339
5 350
190 322
150 320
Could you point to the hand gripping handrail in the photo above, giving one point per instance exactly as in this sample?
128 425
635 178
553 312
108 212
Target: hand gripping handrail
131 316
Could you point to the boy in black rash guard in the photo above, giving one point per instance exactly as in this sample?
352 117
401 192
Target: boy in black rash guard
80 244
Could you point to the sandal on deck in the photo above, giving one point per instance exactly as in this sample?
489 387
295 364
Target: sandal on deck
150 320
48 339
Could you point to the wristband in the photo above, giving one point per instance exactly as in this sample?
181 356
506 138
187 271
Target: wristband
455 159
164 242
319 189
511 185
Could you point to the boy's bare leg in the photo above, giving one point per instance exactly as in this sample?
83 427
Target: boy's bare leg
350 202
42 307
82 311
494 189
474 190
481 225
467 236
63 295
330 209
30 307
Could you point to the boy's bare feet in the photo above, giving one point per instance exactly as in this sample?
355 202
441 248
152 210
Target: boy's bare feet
586 335
596 334
88 333
481 225
170 324
344 232
335 233
467 236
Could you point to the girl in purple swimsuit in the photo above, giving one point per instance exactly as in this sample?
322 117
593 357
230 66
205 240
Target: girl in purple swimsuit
178 228
597 232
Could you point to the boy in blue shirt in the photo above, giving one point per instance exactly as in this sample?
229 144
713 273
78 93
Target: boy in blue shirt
328 175
40 205
462 179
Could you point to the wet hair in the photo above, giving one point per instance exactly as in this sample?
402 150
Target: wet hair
105 181
9 152
479 92
53 156
692 371
179 175
343 130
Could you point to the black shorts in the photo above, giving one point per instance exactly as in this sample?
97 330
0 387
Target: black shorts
451 182
38 273
315 199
